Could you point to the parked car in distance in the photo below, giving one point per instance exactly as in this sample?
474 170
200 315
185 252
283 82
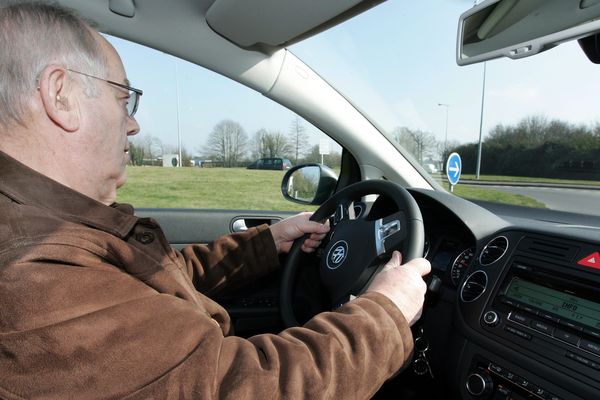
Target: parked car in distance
275 163
430 168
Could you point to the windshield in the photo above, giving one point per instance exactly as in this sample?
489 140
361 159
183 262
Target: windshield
536 118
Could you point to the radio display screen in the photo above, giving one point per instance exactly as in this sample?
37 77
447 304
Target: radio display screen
563 304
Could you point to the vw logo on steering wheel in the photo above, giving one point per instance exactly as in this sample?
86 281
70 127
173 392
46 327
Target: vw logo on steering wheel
337 254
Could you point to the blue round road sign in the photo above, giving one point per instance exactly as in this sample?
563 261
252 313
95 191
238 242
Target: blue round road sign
453 168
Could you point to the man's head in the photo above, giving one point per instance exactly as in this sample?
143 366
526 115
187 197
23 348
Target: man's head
63 107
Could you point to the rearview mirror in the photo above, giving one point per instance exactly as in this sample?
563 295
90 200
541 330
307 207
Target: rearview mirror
309 184
521 28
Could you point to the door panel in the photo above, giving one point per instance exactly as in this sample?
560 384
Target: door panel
187 226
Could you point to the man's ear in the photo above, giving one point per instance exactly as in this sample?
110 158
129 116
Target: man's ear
58 97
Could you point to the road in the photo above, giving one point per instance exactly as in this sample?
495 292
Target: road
574 200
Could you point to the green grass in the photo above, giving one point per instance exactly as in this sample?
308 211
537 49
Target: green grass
498 178
481 193
212 188
239 188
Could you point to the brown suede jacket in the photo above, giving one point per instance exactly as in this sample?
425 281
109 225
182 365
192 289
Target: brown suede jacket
94 303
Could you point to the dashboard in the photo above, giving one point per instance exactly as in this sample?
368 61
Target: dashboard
517 315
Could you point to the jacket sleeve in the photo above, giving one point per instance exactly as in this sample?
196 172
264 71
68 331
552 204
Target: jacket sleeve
345 354
232 260
74 325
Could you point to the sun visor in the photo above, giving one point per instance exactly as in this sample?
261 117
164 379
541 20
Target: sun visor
272 24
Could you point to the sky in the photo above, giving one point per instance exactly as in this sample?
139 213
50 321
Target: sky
395 61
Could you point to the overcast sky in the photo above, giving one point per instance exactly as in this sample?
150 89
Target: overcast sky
396 61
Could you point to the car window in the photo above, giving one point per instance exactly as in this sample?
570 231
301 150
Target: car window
199 132
537 117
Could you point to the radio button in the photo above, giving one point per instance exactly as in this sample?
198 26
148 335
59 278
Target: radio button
542 327
549 317
579 359
496 368
491 318
520 318
538 391
566 336
592 333
571 325
503 372
524 383
529 310
502 393
479 383
535 389
518 332
509 302
592 347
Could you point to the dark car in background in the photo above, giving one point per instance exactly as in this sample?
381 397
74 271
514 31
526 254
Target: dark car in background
274 163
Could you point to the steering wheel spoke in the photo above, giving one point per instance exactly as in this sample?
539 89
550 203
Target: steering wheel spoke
389 233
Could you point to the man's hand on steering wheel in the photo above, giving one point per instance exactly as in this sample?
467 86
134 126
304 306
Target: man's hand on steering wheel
287 231
403 284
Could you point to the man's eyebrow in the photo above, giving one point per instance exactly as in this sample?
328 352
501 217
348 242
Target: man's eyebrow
127 82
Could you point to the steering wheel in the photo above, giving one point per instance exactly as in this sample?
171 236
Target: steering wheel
357 246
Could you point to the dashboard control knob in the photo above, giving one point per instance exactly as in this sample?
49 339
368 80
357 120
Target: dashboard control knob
479 383
491 318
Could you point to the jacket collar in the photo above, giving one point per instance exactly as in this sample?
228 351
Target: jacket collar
26 186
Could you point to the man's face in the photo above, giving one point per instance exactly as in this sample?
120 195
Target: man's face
106 127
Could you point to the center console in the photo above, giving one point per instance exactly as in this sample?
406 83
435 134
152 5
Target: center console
542 311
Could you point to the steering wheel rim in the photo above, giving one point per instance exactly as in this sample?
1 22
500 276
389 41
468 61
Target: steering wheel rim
412 240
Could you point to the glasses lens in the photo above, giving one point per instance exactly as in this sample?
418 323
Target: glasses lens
132 103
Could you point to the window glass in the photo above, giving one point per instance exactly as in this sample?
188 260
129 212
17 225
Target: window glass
537 117
185 113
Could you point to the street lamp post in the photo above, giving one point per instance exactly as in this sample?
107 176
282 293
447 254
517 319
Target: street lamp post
177 114
480 125
446 129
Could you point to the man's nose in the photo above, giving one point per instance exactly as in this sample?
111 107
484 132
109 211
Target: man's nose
133 128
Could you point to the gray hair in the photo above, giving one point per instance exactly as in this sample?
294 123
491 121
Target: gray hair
34 35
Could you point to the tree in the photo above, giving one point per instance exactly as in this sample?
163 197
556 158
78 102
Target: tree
442 152
537 147
417 142
277 144
298 139
270 144
259 148
145 150
227 142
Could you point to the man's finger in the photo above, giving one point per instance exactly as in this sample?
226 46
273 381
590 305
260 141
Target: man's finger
420 264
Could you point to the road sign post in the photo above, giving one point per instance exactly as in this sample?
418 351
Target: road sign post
453 168
324 148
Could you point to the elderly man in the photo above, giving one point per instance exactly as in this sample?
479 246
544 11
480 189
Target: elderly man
94 303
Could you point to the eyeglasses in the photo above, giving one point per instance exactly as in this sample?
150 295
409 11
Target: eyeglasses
134 94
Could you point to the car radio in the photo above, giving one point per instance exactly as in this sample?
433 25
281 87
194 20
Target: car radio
552 310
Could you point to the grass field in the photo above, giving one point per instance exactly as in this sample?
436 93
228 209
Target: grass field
213 188
239 188
499 178
482 193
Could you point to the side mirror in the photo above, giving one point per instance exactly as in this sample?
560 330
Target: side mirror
309 184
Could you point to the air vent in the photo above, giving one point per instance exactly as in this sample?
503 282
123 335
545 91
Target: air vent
548 248
474 286
493 251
